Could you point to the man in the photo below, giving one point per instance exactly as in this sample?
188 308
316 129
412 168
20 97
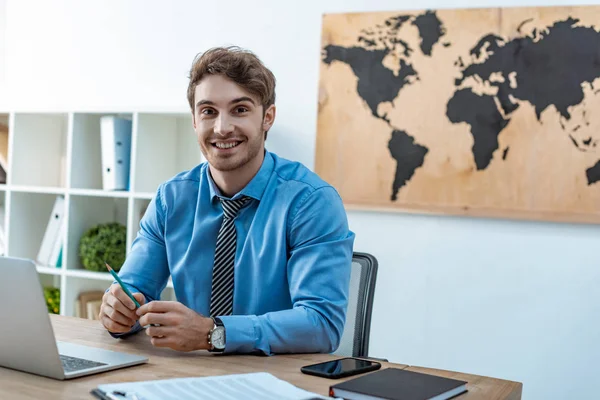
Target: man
258 247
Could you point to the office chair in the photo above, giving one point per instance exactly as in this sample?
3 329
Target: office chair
355 338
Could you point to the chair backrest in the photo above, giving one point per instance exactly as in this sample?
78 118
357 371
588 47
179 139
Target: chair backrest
355 338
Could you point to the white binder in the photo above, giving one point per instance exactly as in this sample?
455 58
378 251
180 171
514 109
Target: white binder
115 138
53 237
55 259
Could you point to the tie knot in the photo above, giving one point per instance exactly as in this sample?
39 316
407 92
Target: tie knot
231 207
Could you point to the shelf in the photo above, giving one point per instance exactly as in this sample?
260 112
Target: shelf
86 170
99 276
99 193
4 139
85 212
37 189
48 270
29 213
166 144
139 209
39 150
49 280
83 273
142 195
60 154
76 285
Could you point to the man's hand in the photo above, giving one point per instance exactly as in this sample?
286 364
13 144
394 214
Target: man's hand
117 312
180 328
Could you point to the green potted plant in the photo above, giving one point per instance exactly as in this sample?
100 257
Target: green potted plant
103 242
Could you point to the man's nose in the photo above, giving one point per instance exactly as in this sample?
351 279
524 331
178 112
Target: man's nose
223 125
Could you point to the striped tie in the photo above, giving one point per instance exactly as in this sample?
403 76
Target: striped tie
221 298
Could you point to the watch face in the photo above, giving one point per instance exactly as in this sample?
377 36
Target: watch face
218 338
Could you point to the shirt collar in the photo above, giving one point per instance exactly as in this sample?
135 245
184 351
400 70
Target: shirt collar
254 189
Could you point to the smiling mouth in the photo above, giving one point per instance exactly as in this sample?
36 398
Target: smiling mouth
225 145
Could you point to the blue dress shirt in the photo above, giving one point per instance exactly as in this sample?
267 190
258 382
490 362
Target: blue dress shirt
292 263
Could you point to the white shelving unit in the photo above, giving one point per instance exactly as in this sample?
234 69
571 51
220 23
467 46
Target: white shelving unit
52 154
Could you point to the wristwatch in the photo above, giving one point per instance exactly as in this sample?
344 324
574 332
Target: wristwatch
216 336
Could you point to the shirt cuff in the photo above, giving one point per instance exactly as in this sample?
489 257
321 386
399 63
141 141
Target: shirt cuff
135 329
240 333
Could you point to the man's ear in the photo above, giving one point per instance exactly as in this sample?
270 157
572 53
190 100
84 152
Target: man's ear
194 120
269 118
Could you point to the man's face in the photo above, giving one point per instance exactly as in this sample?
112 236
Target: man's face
229 123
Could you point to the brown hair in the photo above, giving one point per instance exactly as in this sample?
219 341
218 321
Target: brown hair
241 66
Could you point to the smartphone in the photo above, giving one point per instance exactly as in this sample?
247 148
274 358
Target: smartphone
341 368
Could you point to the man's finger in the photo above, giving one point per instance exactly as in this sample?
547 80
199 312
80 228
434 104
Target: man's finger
155 319
161 342
158 307
117 316
140 298
113 326
116 290
120 307
159 331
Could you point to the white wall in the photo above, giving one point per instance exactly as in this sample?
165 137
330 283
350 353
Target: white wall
514 300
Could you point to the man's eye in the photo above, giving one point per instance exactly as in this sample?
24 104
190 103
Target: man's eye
208 111
241 110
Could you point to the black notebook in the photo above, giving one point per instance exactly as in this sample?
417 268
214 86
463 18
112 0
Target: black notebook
398 384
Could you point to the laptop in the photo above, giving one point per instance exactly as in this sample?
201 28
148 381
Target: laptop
27 340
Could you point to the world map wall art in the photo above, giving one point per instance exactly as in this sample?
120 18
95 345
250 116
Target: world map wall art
486 112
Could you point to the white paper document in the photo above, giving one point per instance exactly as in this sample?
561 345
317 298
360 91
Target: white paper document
259 386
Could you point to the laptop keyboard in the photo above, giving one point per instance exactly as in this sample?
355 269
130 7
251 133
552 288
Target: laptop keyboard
72 364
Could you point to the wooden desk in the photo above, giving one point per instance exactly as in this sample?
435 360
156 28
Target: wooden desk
166 363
